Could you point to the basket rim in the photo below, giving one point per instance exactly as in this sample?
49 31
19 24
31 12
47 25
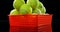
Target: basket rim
33 15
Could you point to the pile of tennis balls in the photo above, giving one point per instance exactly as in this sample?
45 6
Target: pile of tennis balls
30 7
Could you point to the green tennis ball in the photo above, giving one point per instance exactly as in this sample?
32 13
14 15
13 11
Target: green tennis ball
25 9
43 10
37 11
18 3
41 7
14 12
32 3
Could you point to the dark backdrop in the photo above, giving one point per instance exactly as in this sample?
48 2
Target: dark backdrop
52 7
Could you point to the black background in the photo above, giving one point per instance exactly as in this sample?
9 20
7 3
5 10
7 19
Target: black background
52 7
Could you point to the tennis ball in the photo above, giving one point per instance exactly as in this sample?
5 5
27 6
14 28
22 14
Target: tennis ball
41 7
18 3
37 11
14 12
32 3
25 9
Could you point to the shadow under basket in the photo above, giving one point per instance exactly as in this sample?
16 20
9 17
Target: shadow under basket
30 23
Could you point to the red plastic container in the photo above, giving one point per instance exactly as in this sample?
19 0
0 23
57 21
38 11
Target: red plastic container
30 23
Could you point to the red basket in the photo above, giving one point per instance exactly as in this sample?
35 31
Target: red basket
30 23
